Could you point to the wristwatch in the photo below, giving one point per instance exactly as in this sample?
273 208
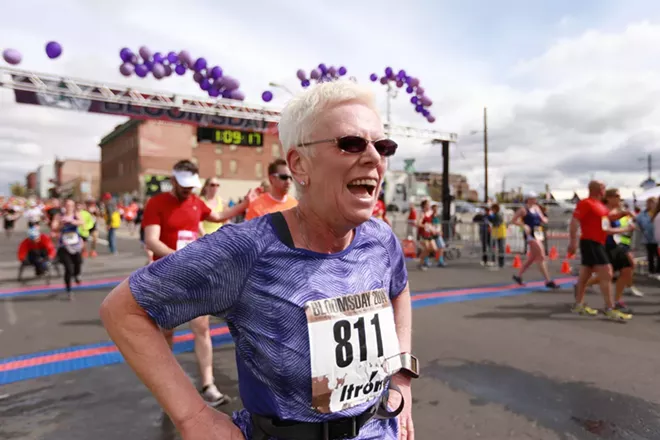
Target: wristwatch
409 365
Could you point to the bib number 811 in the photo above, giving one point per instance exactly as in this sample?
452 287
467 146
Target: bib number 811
343 331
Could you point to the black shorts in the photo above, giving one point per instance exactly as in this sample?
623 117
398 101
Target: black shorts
93 229
618 256
9 224
593 253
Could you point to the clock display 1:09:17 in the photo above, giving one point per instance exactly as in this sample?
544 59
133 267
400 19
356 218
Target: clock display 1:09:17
237 137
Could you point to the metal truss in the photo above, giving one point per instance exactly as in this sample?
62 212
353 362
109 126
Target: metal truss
54 85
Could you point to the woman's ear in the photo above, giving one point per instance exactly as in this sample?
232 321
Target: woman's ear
299 166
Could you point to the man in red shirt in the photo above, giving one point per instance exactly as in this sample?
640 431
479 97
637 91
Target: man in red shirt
171 221
593 219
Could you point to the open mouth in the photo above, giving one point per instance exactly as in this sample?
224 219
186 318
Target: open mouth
363 188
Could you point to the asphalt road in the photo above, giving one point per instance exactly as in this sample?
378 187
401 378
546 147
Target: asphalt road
497 363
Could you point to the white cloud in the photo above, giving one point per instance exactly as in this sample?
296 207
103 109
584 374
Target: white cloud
581 97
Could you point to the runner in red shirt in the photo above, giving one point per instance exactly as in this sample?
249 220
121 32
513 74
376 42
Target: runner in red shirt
380 210
171 221
593 219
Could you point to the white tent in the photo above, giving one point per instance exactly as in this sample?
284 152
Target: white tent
653 192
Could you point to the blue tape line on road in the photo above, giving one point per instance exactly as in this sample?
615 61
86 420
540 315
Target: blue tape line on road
105 359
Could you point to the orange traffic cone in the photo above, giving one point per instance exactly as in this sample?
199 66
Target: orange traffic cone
507 249
516 262
565 267
553 254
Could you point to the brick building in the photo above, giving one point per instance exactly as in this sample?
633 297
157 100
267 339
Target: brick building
31 182
136 150
79 179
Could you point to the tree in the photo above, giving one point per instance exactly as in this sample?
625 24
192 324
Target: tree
18 190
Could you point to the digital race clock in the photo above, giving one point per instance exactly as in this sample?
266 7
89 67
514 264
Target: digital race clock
230 137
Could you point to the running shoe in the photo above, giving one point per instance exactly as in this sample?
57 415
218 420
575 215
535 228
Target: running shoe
551 285
518 280
621 306
617 315
213 396
583 309
634 291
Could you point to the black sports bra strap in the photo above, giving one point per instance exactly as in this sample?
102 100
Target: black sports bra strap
282 229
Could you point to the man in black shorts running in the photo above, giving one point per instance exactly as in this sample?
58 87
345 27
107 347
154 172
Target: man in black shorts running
592 217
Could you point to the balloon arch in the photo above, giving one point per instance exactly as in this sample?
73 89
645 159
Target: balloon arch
213 81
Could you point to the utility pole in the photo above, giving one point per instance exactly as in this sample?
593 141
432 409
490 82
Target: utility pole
485 156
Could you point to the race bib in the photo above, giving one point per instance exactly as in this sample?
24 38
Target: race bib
605 223
538 235
617 238
70 238
184 238
351 340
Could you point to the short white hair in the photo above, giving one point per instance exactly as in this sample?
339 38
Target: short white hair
303 112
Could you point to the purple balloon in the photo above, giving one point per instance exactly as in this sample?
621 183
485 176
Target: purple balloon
205 84
420 91
267 96
126 69
342 71
430 118
198 77
383 80
216 72
231 83
180 69
184 56
53 49
425 113
172 57
315 74
305 83
158 70
214 93
168 70
226 94
414 82
419 108
323 68
134 59
125 54
301 75
414 100
158 57
399 83
388 71
145 53
149 64
426 101
237 95
401 75
373 77
200 64
141 70
409 89
12 56
332 71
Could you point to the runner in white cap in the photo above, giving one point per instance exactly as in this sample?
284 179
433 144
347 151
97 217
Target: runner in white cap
171 221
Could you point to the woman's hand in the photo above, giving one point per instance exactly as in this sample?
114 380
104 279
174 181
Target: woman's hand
406 428
210 424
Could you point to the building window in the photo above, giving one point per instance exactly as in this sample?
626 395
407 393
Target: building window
193 141
218 167
260 150
275 148
232 147
233 166
259 170
218 149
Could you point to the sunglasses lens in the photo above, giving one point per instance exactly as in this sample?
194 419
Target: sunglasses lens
386 147
352 144
285 177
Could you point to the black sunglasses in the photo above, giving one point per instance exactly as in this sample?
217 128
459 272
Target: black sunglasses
357 144
283 176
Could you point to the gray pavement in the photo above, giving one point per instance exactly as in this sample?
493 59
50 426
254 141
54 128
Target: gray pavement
516 367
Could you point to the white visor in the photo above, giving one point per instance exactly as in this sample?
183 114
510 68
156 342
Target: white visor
186 179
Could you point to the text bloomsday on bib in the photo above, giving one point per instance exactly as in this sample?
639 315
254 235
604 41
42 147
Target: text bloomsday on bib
351 339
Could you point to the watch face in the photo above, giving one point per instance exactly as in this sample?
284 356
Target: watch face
414 364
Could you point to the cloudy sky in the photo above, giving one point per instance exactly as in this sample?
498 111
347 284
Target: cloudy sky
571 86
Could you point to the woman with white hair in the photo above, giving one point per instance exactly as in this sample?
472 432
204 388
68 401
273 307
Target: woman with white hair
531 219
316 297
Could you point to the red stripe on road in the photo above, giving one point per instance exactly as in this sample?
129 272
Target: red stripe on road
87 352
90 283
